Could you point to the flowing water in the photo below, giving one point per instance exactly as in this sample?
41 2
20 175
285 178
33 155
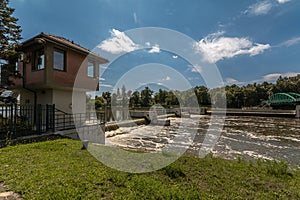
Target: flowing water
248 137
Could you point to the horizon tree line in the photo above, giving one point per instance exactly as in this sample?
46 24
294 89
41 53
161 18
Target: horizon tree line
236 96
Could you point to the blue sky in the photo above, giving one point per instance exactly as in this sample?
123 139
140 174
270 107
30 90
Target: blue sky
247 40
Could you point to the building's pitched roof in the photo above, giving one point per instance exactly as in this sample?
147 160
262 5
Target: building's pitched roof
62 41
65 41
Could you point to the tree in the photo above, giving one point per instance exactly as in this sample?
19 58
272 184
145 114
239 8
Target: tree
99 102
10 34
202 94
118 92
171 99
160 97
146 97
123 90
90 103
135 99
107 97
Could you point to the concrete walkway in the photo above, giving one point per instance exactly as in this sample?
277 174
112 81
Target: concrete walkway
8 195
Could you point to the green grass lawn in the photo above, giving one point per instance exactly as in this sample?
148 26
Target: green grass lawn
59 169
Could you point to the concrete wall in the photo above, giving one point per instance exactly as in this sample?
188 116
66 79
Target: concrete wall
63 101
79 102
61 98
44 97
26 97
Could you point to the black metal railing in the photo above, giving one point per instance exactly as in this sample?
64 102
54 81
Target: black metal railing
23 120
65 121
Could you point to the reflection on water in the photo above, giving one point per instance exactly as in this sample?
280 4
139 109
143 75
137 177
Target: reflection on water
249 137
113 114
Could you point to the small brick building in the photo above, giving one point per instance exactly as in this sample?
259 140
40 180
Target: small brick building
49 67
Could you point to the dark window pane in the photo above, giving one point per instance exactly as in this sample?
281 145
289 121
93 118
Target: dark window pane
91 69
59 60
39 60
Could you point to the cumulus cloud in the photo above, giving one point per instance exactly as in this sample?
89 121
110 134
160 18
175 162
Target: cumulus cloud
119 42
168 78
283 1
260 8
275 76
216 47
263 7
291 42
231 81
195 68
155 49
271 77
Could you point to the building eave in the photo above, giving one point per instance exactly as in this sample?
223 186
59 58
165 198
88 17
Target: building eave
43 39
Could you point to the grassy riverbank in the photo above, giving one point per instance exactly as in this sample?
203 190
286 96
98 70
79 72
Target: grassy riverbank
60 170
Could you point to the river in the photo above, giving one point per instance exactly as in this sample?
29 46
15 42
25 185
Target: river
246 137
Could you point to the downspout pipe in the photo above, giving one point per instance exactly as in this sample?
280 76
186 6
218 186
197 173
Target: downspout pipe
30 90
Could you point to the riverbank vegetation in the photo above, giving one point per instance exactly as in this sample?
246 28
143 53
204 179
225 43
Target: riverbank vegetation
236 96
59 169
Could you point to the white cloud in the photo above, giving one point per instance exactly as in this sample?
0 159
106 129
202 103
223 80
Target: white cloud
283 1
118 43
195 68
274 76
103 67
155 49
260 8
255 50
231 81
175 57
271 77
105 85
168 78
135 18
263 7
216 47
291 42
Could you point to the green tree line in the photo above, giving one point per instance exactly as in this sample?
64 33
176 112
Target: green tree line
236 96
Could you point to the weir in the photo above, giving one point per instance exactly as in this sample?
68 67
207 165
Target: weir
254 112
298 111
143 118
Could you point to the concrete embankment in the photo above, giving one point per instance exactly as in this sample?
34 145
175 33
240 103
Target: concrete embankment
259 113
142 118
129 123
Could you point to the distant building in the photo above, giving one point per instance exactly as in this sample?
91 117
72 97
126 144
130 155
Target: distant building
49 67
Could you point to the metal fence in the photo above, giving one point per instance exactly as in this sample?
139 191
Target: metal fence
23 120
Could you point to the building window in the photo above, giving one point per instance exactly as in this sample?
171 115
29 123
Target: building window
59 60
91 69
17 66
39 60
